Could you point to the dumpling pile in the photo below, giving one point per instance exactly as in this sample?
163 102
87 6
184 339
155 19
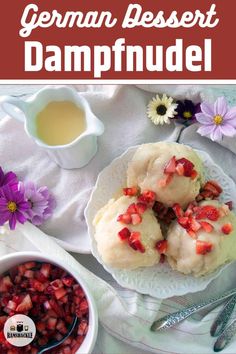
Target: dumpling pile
166 211
173 171
202 241
127 233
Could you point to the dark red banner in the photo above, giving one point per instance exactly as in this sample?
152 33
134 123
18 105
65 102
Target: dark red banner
94 39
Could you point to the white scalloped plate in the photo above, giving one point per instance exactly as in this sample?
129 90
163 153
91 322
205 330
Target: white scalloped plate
158 281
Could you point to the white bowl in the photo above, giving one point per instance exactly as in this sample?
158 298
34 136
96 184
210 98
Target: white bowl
14 259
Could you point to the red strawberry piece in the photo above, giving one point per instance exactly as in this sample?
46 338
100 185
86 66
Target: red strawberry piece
58 309
51 323
131 191
5 283
59 293
180 169
211 188
41 326
161 246
216 185
68 281
136 219
206 226
135 242
83 328
141 208
207 212
61 327
124 234
188 166
227 228
12 305
178 210
183 221
194 225
56 284
45 269
83 306
170 166
25 305
194 174
203 247
165 181
29 274
230 205
147 197
124 218
3 319
37 285
132 209
192 234
29 265
66 349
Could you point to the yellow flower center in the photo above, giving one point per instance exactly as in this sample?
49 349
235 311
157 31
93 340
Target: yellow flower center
187 114
11 206
218 119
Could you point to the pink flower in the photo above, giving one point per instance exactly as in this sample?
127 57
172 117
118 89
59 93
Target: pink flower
13 207
40 200
217 119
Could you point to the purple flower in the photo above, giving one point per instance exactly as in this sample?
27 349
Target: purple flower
217 119
41 202
186 111
12 207
8 178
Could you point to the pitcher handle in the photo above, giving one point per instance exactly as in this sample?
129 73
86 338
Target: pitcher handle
10 104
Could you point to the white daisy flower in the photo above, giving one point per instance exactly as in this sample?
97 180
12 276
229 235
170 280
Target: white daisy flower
159 110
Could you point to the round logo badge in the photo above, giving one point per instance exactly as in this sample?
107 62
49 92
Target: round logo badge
19 330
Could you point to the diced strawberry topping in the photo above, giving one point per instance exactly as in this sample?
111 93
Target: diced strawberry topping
124 234
187 165
170 166
194 225
180 169
147 197
52 309
211 190
184 221
132 209
161 246
192 234
166 180
194 174
131 191
178 210
136 219
25 305
135 242
124 218
227 228
207 212
206 226
141 208
203 247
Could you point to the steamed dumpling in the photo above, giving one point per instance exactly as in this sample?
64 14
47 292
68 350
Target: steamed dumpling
146 170
220 247
117 253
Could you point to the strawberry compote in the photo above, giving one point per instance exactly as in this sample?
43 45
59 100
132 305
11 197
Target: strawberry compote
50 297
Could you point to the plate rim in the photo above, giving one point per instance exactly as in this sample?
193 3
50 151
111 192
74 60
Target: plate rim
122 283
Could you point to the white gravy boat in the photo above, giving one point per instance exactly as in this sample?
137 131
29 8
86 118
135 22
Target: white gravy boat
77 153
